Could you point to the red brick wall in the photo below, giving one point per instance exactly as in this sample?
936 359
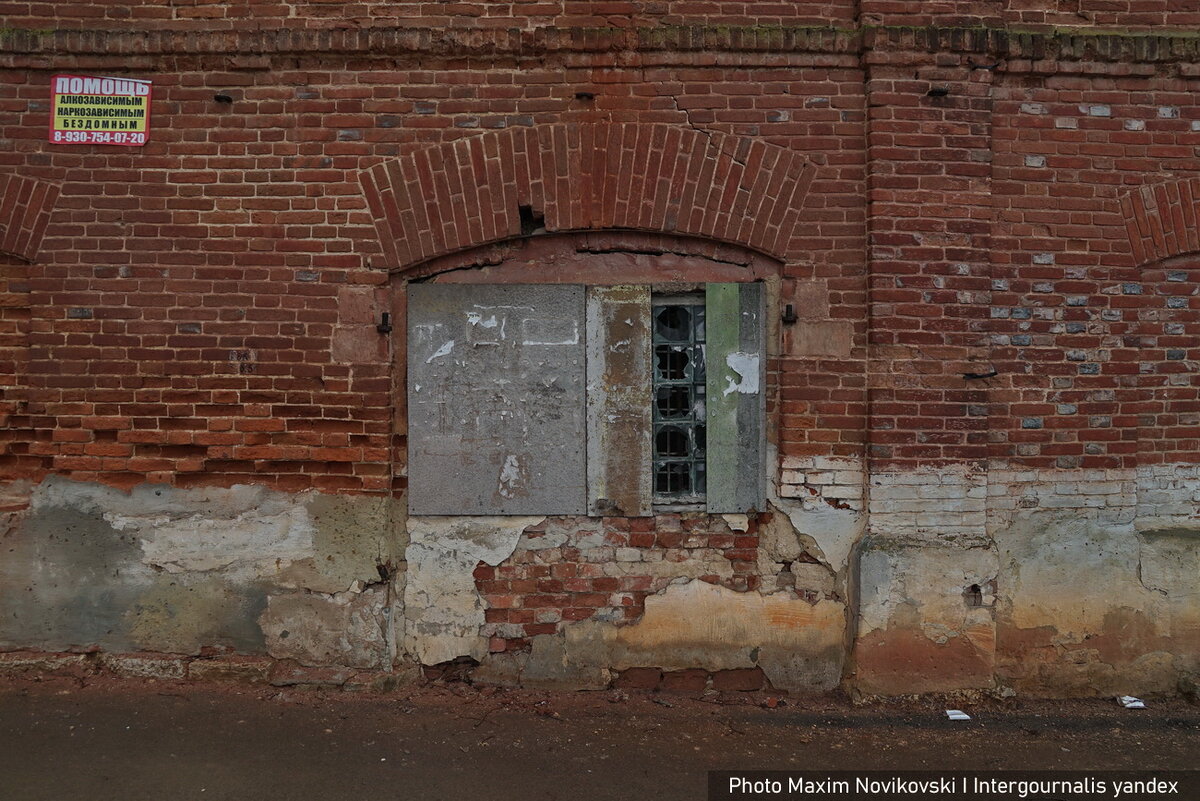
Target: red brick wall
1074 313
253 14
1168 322
198 306
190 295
538 589
15 429
1033 14
929 154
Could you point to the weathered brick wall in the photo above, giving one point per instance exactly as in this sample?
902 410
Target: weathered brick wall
254 14
566 570
987 401
204 313
1141 14
1032 14
15 429
1076 318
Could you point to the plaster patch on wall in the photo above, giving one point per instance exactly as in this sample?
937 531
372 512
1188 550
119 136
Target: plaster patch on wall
246 532
1169 563
247 546
346 629
916 630
822 499
737 522
179 614
170 570
694 624
444 613
833 531
353 538
1092 607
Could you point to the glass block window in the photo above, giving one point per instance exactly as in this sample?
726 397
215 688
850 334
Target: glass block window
678 399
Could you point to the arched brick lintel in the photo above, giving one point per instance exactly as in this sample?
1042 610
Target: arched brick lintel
25 207
1163 220
587 176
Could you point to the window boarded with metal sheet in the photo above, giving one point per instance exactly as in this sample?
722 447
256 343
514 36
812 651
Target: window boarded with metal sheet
496 399
562 399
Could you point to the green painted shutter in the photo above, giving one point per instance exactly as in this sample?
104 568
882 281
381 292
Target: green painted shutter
735 360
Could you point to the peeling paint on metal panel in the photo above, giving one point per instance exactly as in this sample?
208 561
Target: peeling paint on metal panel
444 350
745 365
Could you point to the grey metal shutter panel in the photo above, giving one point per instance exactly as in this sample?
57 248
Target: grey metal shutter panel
619 398
735 361
496 399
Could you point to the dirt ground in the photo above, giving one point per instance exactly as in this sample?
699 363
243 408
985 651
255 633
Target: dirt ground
107 738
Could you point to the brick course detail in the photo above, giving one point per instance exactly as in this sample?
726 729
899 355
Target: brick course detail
25 207
583 176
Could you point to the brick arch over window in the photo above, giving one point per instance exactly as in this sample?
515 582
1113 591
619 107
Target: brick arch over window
25 207
587 176
1166 356
1163 220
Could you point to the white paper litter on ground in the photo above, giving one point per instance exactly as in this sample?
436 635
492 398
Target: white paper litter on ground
1129 702
957 714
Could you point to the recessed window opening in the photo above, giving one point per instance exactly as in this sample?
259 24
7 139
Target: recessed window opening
679 398
566 399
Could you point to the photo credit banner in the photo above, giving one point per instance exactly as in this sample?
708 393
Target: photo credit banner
99 111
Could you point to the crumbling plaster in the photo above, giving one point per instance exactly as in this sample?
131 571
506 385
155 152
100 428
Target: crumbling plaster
443 610
1073 585
1058 582
177 571
798 644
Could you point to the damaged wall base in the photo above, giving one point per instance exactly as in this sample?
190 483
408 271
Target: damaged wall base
1011 581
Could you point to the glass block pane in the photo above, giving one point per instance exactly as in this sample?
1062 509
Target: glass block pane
671 441
673 401
672 362
672 478
679 400
672 323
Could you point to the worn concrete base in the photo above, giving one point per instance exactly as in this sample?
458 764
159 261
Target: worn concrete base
174 571
925 617
1097 608
1054 582
1060 583
443 610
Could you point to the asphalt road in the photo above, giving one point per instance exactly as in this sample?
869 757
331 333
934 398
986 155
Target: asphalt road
119 739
